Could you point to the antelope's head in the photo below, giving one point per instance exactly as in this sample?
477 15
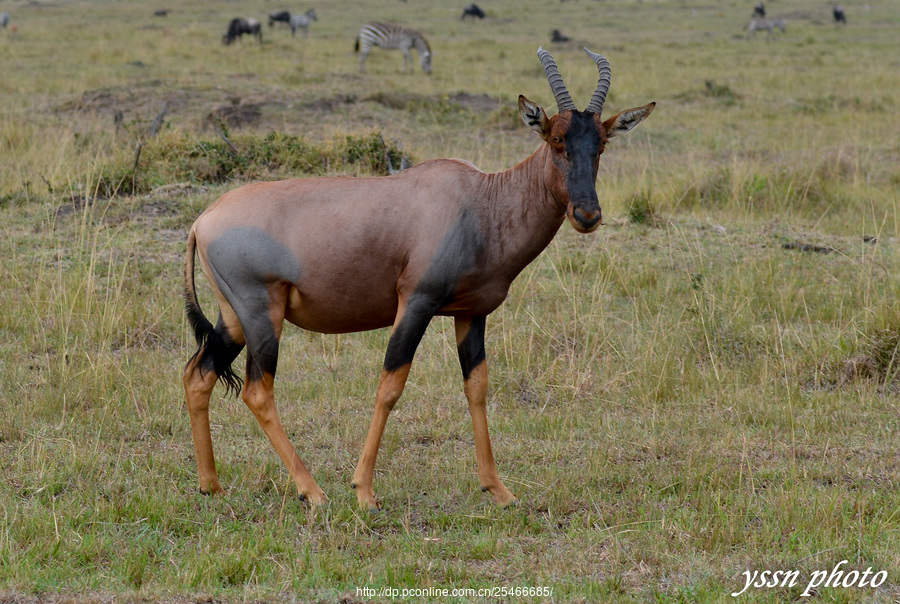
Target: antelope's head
576 140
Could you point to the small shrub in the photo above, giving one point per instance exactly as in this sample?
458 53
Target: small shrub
641 210
720 91
182 158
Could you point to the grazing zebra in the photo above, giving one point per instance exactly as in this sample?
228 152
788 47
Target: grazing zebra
767 25
279 16
839 15
389 37
474 11
4 19
298 21
238 27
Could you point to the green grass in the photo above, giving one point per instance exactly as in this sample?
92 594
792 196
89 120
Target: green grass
690 393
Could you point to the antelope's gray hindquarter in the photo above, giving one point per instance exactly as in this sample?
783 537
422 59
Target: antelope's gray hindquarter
338 255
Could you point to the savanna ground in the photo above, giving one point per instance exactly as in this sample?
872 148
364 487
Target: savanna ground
707 385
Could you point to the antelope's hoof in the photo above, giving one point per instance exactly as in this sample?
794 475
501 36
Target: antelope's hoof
371 506
318 498
212 490
502 497
365 496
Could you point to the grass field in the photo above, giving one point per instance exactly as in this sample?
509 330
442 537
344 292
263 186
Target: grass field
708 385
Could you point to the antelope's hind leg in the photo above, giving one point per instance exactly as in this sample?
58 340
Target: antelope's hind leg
212 361
259 388
473 361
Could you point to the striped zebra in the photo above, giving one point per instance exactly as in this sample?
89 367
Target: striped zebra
389 37
298 21
768 25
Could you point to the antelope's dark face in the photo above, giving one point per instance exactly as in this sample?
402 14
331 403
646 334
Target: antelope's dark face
576 140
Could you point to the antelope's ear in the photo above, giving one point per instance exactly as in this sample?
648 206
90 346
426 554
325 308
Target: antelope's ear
535 116
626 120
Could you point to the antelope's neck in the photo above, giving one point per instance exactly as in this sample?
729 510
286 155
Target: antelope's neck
524 214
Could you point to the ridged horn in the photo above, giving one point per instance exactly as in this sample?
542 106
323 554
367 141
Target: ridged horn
563 99
599 97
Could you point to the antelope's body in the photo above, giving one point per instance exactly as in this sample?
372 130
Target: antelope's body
436 219
340 255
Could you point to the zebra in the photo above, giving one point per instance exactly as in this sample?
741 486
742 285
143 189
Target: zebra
768 25
4 19
389 36
238 27
298 21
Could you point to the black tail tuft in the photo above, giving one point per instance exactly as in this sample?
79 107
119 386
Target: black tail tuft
212 346
356 47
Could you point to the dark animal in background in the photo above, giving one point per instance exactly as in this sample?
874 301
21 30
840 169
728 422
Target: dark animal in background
281 16
238 27
473 11
303 21
839 15
4 19
557 37
339 255
161 12
759 10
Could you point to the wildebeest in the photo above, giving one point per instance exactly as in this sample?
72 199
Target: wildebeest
474 11
161 12
556 36
839 15
4 19
759 10
281 16
238 27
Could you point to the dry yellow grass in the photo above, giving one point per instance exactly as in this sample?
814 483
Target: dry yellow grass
696 391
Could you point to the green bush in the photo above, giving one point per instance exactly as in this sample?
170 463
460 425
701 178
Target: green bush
180 157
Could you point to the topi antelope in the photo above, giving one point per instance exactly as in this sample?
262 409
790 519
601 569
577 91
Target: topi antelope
338 255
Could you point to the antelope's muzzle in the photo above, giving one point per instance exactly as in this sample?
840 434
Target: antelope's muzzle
584 221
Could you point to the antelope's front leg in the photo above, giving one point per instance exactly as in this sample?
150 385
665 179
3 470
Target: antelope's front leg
472 359
409 327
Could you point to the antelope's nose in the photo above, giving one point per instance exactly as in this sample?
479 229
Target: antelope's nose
587 220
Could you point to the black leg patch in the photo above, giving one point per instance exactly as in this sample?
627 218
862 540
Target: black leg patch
262 358
471 350
405 339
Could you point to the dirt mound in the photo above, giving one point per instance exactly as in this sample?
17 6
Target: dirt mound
238 115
